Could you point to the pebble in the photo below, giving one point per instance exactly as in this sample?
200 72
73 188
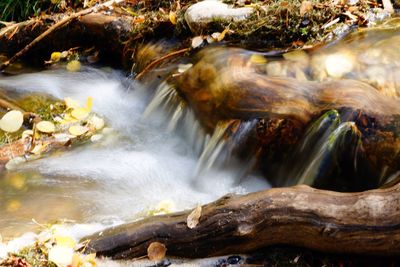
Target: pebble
200 14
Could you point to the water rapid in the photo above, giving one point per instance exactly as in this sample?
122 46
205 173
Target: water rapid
144 161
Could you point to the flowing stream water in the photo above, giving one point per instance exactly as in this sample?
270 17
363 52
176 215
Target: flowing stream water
141 163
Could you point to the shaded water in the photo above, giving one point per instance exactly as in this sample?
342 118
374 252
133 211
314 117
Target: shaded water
140 164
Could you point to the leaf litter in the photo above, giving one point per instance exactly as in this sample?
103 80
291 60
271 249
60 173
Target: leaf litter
65 122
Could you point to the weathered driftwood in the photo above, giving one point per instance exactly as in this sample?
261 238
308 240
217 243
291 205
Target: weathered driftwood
367 223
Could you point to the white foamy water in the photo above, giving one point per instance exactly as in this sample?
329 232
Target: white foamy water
131 172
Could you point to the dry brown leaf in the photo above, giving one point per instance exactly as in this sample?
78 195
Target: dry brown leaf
156 251
194 217
306 6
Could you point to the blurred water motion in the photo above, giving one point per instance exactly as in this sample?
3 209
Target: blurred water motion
368 55
138 165
356 78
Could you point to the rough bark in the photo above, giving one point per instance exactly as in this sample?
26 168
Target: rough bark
361 223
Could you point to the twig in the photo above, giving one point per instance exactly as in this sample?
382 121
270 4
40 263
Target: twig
9 106
156 62
54 27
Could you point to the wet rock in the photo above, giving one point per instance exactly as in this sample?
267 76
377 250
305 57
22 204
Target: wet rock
200 14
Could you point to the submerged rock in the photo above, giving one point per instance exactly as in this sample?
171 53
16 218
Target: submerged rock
200 14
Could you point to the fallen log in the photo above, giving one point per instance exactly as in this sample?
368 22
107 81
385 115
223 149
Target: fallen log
357 223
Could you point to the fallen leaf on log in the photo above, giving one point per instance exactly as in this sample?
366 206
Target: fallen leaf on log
156 251
194 217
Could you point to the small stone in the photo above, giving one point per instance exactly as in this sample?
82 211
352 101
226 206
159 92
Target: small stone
95 138
352 2
200 14
233 260
12 164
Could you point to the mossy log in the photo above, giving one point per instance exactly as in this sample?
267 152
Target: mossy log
361 223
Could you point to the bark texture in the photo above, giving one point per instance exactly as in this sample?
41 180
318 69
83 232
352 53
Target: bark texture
361 223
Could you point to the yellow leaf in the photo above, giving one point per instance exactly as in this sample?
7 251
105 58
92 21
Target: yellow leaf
12 121
80 113
89 104
76 260
46 127
78 130
13 205
217 36
65 241
17 181
297 55
74 66
258 59
71 103
55 56
156 251
68 119
91 258
164 207
194 217
172 17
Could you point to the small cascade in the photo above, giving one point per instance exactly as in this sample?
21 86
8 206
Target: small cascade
325 154
219 150
137 160
165 97
181 118
214 150
213 147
